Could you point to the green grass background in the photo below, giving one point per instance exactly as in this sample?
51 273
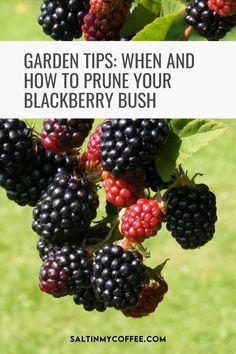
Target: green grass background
197 315
18 22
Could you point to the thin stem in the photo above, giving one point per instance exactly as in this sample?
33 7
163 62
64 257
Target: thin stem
186 34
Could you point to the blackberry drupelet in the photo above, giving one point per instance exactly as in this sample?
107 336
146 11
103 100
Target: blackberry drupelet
16 147
65 210
86 297
129 144
207 23
62 135
118 276
191 215
65 271
63 19
27 188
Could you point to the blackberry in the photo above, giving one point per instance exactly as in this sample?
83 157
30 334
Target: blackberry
207 23
118 276
222 7
27 188
62 19
16 147
151 296
191 215
86 297
97 27
129 144
65 271
153 180
65 210
62 135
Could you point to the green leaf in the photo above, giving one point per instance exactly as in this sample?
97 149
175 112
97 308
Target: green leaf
145 12
166 161
172 6
157 30
195 134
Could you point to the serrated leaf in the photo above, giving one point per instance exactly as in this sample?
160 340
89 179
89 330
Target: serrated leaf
145 12
172 6
157 30
195 134
166 161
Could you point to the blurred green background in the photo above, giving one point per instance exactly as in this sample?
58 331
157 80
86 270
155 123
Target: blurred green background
18 22
197 315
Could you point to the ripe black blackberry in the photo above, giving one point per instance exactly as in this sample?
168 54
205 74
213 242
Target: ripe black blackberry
44 248
27 188
65 210
16 147
153 180
62 135
129 144
118 276
86 297
65 271
191 215
206 22
62 19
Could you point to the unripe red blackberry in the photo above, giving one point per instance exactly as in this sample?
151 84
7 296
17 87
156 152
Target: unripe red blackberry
141 220
150 297
129 144
86 297
16 147
62 19
191 215
222 7
207 23
65 210
65 271
62 135
98 27
104 6
92 157
117 276
123 192
26 188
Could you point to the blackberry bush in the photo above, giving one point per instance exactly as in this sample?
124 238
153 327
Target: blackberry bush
65 210
101 261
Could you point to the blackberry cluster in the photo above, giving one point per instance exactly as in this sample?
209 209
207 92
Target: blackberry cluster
16 147
62 135
27 188
118 276
65 210
87 298
63 19
65 271
191 215
131 144
207 23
